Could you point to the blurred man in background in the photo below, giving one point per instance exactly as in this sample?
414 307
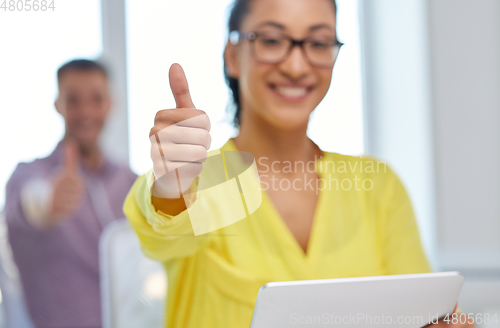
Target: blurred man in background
56 207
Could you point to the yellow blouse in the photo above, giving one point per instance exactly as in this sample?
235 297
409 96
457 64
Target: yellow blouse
362 228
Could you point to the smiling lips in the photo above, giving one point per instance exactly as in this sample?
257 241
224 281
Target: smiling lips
291 93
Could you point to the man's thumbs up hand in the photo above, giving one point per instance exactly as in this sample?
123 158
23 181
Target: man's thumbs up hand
180 140
71 157
67 185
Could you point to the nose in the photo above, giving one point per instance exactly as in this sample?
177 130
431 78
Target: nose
295 65
86 110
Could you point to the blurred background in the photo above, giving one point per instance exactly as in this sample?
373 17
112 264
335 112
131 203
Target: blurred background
417 84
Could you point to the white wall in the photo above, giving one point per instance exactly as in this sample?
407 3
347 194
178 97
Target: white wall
465 56
465 52
397 99
115 138
432 103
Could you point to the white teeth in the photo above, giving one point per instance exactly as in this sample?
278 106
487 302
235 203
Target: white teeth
292 92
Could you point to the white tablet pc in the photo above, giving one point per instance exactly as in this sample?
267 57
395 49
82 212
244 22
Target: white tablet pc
411 300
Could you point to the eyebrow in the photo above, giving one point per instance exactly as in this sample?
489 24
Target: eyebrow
274 24
282 27
320 26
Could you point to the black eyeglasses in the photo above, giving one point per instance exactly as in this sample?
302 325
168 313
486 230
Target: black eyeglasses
275 47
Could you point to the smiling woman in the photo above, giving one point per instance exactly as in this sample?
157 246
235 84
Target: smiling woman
270 44
286 97
279 59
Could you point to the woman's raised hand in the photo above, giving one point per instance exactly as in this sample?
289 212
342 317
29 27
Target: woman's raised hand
180 140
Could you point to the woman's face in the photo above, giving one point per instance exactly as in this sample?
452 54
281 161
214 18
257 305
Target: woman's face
284 94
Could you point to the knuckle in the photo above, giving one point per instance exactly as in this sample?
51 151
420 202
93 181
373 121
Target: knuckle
200 135
191 170
205 118
200 153
159 116
196 169
167 133
154 130
208 140
163 117
205 135
207 122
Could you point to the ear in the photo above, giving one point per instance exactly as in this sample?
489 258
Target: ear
57 105
109 106
231 59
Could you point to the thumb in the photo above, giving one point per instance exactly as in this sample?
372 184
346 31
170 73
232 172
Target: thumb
179 86
71 157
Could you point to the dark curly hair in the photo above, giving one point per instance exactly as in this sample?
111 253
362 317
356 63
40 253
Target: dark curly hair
239 10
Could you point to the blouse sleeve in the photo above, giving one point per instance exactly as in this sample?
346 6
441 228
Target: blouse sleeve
163 237
402 247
